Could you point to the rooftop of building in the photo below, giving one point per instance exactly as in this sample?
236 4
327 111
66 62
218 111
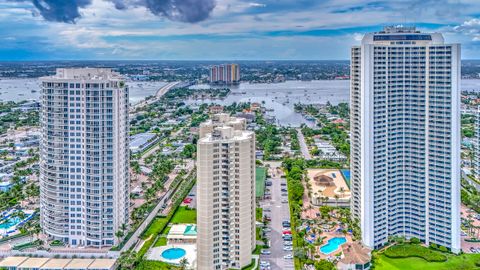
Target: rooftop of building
226 133
406 35
100 74
138 140
54 263
355 253
221 119
182 231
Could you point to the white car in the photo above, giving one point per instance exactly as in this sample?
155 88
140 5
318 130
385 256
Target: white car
288 248
264 263
284 201
288 257
288 243
265 252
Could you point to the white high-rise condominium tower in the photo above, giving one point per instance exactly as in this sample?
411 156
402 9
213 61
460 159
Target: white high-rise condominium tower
84 160
405 137
476 146
225 194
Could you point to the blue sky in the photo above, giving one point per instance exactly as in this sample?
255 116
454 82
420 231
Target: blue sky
219 29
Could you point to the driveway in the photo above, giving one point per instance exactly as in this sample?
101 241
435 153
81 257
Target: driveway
278 212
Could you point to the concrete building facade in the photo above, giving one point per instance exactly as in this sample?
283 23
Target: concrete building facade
405 137
225 194
84 156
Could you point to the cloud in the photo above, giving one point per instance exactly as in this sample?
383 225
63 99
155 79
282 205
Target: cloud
469 28
60 10
68 11
190 11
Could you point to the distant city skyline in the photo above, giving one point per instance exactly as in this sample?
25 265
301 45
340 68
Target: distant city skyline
219 30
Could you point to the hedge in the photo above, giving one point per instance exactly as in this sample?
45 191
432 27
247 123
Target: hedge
410 250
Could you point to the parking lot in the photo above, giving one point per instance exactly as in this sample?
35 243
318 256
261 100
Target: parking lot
276 208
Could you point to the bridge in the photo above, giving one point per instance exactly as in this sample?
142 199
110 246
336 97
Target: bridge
162 91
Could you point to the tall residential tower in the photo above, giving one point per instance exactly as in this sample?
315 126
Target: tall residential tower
405 137
226 194
225 74
84 158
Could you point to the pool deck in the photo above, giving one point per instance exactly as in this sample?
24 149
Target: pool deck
13 229
330 235
155 254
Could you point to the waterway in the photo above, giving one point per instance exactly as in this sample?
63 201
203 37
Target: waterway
278 98
26 89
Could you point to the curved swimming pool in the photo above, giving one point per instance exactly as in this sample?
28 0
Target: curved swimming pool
173 253
333 244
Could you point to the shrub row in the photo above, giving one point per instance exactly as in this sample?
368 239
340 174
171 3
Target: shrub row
409 250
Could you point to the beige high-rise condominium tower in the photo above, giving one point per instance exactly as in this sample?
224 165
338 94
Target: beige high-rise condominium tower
226 194
84 156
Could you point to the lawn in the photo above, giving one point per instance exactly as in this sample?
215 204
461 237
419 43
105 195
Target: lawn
259 214
465 261
184 215
155 227
162 241
149 265
261 173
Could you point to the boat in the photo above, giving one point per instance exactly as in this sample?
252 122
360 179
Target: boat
34 91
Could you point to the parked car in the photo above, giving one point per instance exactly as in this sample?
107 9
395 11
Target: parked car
264 263
284 201
287 232
265 252
288 248
288 257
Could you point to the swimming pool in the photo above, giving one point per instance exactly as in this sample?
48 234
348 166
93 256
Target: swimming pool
174 253
333 244
10 223
346 175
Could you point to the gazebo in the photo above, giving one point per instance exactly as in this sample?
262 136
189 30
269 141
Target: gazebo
323 180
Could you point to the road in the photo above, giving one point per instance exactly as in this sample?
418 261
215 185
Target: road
473 183
279 212
303 145
162 91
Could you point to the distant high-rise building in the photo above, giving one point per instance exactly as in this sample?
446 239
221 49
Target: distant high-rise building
225 194
225 74
405 137
84 156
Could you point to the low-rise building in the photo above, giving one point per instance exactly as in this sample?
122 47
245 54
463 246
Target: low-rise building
27 263
355 257
182 234
140 142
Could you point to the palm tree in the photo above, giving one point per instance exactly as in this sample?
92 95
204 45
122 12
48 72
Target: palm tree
336 199
183 264
127 260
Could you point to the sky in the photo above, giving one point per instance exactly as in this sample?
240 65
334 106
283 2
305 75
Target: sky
219 29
